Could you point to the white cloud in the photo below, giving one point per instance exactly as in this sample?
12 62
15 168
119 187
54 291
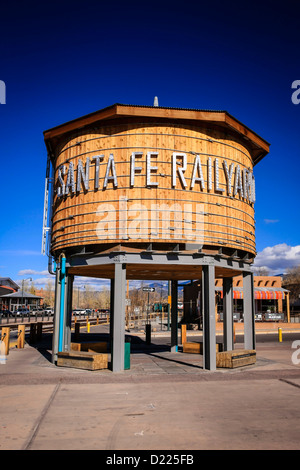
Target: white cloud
271 221
28 272
278 258
97 284
43 281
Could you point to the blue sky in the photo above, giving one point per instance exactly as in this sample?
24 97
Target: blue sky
61 60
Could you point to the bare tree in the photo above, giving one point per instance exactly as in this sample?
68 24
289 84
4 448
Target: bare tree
291 282
49 294
32 288
261 271
104 298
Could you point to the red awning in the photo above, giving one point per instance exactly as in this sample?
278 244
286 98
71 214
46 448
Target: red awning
269 294
260 293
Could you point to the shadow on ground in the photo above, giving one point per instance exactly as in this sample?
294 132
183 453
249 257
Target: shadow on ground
137 346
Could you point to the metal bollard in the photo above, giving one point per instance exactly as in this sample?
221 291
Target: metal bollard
183 334
77 331
32 337
280 335
39 331
148 333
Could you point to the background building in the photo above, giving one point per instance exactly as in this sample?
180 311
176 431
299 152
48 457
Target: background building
7 286
271 300
13 297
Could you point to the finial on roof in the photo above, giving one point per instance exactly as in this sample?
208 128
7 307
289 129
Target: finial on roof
155 101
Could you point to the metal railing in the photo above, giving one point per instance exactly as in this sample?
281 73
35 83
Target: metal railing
24 318
46 317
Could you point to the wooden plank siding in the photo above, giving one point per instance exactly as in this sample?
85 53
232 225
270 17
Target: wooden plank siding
227 222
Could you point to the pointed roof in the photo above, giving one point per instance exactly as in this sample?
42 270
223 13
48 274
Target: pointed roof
25 295
259 146
7 282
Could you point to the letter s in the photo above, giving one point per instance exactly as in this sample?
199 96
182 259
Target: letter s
295 99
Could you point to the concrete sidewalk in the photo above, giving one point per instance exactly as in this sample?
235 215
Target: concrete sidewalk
165 401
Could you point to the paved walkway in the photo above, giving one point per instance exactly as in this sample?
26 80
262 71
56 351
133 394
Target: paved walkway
165 401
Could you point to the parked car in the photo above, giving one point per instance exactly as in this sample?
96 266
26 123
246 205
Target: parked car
49 311
6 313
23 311
38 311
79 311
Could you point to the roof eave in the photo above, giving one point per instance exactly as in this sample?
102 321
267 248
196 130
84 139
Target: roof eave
259 145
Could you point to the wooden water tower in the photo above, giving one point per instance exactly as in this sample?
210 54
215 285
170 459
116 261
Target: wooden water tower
148 192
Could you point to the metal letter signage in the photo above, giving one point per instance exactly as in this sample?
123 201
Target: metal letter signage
2 92
229 179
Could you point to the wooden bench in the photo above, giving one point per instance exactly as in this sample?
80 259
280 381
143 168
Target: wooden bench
237 358
197 348
88 360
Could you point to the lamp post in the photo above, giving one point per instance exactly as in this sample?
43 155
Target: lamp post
78 297
161 303
79 287
23 280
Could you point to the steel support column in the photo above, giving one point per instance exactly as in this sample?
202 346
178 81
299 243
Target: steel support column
228 314
111 316
209 318
62 311
56 316
118 328
68 312
174 316
62 307
249 311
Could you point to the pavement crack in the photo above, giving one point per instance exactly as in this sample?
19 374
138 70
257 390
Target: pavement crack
40 419
289 382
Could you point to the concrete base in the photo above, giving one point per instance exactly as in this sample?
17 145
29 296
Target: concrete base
233 359
87 360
